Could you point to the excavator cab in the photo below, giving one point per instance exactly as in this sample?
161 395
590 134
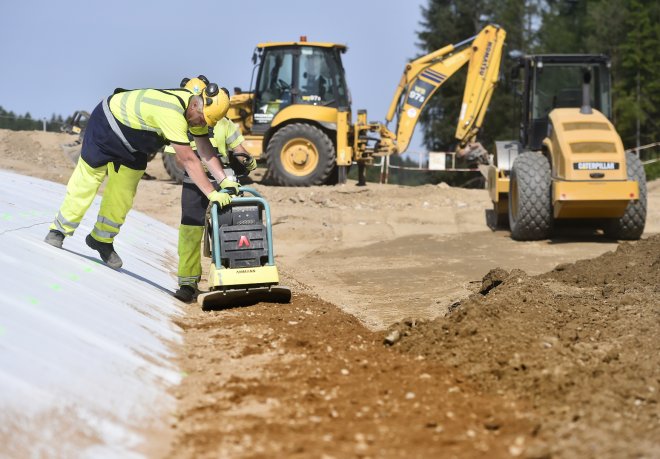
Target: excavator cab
298 73
556 81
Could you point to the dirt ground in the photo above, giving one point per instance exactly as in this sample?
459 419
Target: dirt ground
497 348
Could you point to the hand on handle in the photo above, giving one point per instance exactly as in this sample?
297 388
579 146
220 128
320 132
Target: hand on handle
221 198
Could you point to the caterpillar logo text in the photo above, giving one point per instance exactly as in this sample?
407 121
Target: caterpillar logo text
596 166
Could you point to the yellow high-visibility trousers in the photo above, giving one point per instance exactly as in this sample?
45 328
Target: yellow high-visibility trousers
116 202
190 257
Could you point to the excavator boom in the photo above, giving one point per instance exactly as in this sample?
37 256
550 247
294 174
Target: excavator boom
422 78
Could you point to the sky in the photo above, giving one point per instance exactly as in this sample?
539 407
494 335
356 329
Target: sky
63 56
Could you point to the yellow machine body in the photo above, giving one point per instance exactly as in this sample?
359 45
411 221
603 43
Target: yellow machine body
242 277
300 160
569 162
589 176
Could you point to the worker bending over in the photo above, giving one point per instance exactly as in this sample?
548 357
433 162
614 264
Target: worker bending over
123 130
226 136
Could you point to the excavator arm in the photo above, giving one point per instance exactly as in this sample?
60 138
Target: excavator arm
422 78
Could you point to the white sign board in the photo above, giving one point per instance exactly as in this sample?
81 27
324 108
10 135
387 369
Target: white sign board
437 161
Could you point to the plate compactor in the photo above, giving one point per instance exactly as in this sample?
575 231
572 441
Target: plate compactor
240 244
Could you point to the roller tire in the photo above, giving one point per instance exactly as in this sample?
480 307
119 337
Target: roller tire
530 198
631 225
175 172
282 170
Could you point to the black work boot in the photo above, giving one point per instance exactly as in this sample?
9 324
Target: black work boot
186 293
55 238
106 250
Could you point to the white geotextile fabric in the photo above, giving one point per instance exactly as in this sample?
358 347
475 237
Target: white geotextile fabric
86 352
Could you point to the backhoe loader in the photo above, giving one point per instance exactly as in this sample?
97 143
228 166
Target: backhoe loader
569 162
298 117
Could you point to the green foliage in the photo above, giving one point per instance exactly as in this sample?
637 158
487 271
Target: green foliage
626 30
637 86
564 28
450 21
652 171
445 22
14 122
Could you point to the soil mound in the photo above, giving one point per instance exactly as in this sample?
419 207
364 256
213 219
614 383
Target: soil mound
579 345
37 154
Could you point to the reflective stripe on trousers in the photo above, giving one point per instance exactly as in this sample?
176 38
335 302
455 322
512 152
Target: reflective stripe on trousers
117 201
80 191
190 256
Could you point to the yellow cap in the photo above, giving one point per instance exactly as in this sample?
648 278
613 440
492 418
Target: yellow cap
216 104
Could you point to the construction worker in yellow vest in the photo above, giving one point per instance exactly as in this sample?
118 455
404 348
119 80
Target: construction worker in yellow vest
121 132
226 136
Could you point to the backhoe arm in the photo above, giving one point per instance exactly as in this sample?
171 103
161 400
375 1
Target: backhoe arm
422 78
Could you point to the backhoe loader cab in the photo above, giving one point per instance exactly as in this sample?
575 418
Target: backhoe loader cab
569 162
298 114
298 74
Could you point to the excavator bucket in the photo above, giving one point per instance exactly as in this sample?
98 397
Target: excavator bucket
221 299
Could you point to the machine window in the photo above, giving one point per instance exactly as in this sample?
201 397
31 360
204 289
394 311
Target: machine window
274 87
317 85
560 86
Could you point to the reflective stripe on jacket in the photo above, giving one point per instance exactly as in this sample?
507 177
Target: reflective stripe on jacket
154 112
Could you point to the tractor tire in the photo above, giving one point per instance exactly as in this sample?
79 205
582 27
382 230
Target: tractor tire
300 155
530 198
631 225
172 167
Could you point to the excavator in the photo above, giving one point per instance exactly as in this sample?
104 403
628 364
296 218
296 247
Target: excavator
298 117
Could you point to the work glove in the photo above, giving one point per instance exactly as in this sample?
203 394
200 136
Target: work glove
221 198
251 164
227 184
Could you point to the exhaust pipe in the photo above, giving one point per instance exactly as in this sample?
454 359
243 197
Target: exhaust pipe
586 93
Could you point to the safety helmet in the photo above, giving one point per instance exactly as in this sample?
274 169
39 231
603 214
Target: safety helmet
216 104
195 85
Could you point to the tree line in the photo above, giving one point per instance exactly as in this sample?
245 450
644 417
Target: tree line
628 31
17 122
